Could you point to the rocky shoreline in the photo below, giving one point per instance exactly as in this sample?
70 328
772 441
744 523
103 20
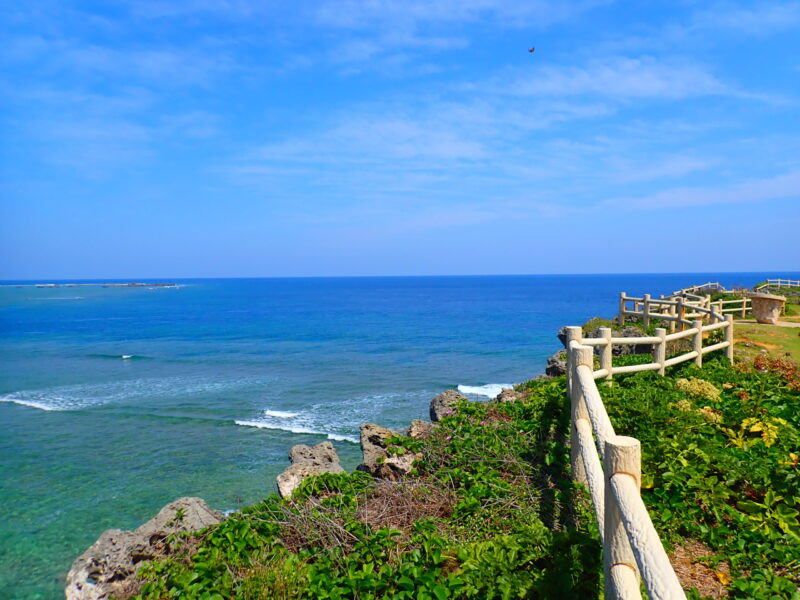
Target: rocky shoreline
108 567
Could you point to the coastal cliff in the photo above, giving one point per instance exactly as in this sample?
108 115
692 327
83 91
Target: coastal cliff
487 507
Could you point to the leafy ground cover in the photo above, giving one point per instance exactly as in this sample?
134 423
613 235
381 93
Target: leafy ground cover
490 510
720 450
489 513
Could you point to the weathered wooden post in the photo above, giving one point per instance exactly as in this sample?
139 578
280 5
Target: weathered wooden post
729 338
621 317
744 307
697 342
578 356
606 353
646 311
622 459
681 311
672 313
660 350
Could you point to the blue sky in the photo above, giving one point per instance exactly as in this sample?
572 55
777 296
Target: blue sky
267 138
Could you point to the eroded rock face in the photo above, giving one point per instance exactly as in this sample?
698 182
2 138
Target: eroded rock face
420 429
108 566
376 458
556 364
509 395
444 402
628 331
306 462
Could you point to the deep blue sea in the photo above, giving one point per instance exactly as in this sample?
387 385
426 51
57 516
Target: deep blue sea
115 401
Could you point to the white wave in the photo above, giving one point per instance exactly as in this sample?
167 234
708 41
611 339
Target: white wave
490 390
126 356
29 403
343 438
76 397
297 429
280 414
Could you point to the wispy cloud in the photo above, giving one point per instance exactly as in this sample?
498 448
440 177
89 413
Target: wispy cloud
755 19
620 77
783 186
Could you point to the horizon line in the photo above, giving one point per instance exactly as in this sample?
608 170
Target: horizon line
178 278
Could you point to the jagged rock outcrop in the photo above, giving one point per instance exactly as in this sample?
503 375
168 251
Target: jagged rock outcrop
556 364
376 458
509 395
108 566
420 429
307 461
444 403
628 331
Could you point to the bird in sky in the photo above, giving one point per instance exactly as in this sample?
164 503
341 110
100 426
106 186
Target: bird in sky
532 49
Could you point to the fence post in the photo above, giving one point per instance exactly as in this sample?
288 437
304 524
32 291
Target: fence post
672 313
577 356
622 459
744 306
729 338
681 311
660 350
621 317
646 314
573 333
697 342
606 353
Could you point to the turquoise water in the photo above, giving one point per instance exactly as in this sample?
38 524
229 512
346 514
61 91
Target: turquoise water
222 377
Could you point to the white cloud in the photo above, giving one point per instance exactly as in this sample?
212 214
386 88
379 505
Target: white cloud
640 77
784 186
390 13
755 19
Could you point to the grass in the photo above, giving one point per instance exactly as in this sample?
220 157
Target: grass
776 340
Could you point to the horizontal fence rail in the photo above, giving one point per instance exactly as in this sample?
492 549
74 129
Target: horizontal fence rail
679 310
779 283
609 465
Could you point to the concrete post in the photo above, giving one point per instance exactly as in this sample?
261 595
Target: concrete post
573 333
622 459
681 312
646 311
606 353
578 356
660 350
621 316
729 338
697 342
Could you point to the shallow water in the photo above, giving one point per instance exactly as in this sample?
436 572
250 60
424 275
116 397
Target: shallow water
221 377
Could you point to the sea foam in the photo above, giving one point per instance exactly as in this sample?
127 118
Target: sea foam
131 391
491 390
297 429
280 414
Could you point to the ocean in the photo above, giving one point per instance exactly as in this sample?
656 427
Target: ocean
116 400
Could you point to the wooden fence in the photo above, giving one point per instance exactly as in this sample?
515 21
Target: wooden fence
779 283
610 465
703 287
679 310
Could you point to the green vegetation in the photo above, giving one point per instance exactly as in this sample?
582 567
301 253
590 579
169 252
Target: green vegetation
490 511
720 467
753 338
